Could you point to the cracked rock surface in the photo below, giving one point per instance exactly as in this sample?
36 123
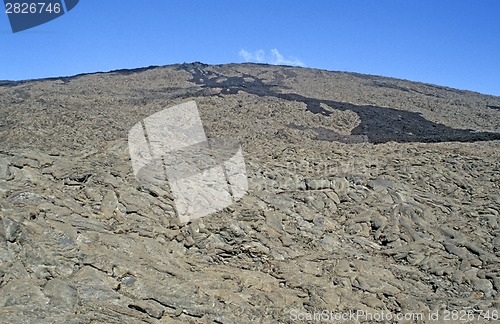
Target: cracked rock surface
365 193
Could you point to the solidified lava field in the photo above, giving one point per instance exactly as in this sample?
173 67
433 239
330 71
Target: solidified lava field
366 194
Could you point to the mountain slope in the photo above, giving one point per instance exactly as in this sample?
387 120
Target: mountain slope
365 193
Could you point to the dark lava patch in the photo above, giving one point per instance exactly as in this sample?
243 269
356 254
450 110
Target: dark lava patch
378 124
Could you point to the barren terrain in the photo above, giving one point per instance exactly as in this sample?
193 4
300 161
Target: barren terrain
365 193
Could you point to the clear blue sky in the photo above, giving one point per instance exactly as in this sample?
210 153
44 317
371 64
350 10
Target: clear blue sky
454 43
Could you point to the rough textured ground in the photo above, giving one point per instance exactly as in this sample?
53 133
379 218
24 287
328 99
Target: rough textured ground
366 193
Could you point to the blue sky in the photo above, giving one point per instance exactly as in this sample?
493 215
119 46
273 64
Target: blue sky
454 43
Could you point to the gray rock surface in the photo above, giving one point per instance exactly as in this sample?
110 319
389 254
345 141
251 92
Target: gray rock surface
365 193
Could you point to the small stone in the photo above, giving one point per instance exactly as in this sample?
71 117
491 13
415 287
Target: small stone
4 170
21 162
317 184
333 196
189 241
274 219
483 285
22 292
109 204
380 182
286 240
11 229
315 202
354 196
128 280
61 294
